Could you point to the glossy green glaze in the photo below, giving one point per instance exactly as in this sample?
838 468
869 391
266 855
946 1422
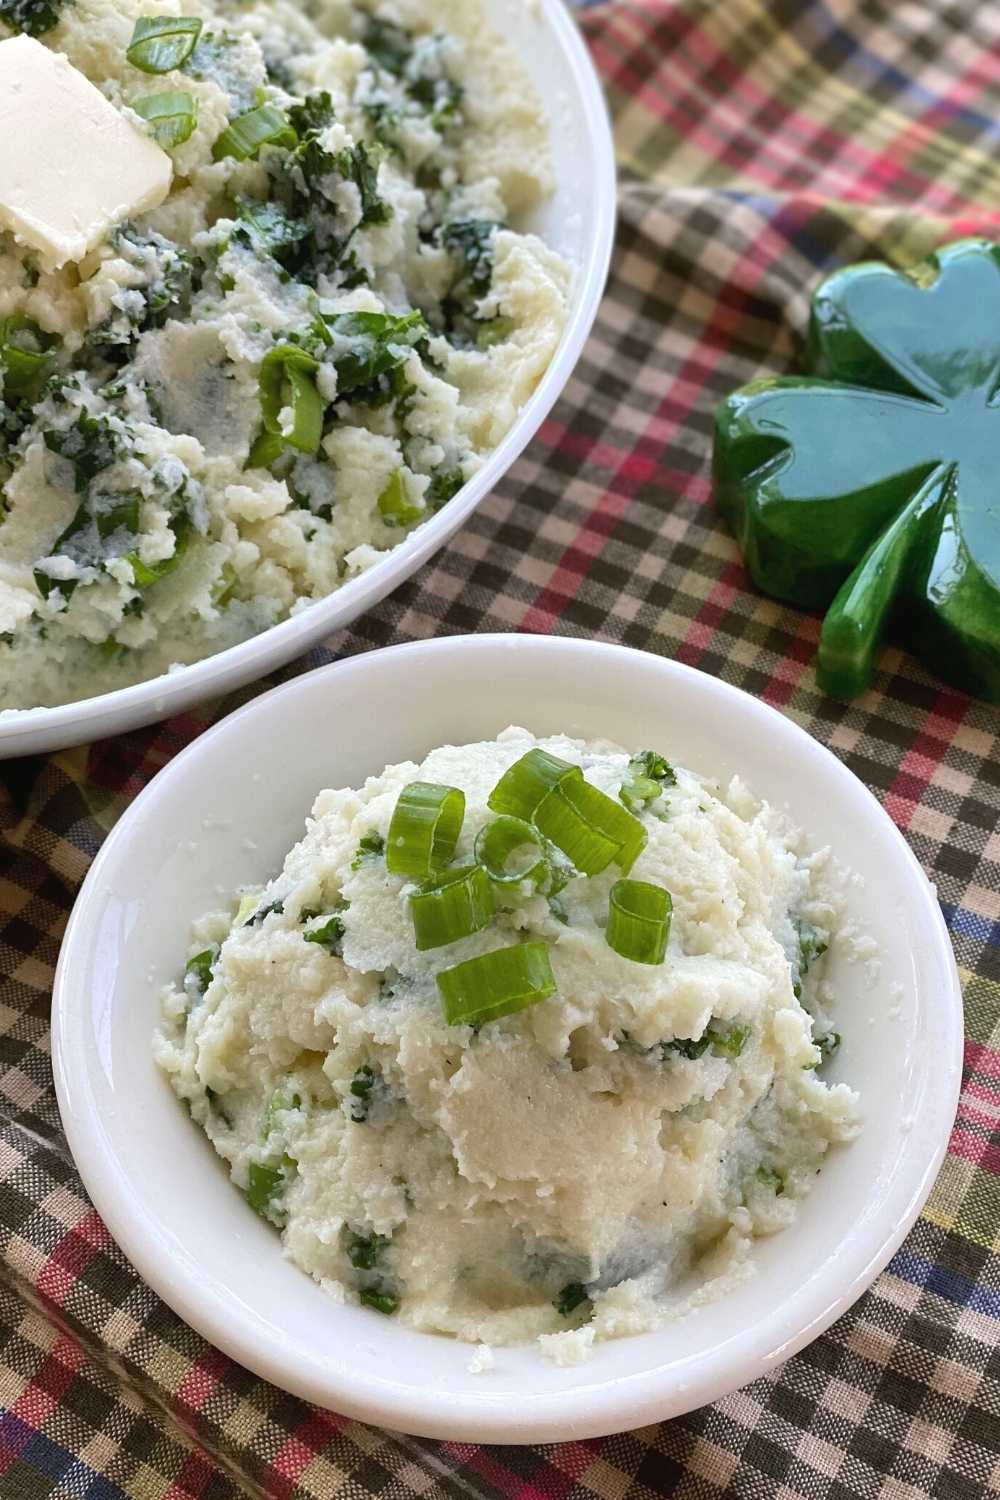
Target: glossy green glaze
872 484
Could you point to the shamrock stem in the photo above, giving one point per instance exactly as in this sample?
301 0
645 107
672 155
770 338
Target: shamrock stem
854 622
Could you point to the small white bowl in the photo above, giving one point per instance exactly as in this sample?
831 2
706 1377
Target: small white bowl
578 220
226 811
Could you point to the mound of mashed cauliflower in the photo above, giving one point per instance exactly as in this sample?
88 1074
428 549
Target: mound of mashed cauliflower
250 393
524 1042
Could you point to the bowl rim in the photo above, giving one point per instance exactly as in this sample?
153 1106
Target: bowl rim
598 1406
25 730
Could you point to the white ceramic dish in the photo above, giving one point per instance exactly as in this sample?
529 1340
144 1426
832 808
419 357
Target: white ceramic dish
578 221
165 1195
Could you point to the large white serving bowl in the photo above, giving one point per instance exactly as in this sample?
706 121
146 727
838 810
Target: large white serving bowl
578 221
225 812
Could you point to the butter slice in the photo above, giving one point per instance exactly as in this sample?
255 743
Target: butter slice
71 166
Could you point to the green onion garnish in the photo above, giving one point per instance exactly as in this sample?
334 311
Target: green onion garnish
512 852
161 43
460 904
394 505
496 984
521 788
265 1187
426 823
173 117
287 390
639 921
587 826
243 137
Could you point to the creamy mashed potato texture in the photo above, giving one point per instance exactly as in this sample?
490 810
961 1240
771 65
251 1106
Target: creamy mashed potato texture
248 394
551 1082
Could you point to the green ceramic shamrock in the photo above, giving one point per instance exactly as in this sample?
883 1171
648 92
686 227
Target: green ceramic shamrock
874 481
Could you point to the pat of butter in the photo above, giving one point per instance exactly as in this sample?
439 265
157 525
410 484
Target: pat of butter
71 166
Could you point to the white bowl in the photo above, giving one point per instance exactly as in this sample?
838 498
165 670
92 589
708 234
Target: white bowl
578 221
165 1195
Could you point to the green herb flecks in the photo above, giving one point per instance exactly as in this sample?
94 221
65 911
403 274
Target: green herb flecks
329 935
573 1295
372 846
266 1187
647 777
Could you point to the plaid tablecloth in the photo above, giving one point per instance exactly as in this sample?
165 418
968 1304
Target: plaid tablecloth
760 142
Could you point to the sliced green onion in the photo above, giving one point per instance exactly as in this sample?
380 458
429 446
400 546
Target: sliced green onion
521 788
424 830
587 826
496 984
173 117
243 137
161 43
586 847
394 505
460 904
639 921
608 818
512 852
286 385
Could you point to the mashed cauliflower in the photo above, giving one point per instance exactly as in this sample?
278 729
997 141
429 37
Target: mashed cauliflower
249 394
559 1157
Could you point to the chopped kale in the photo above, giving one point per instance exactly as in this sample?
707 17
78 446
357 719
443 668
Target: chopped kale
359 164
198 970
726 1039
390 45
371 846
26 354
362 1085
270 230
365 1251
257 917
165 292
266 1186
383 1302
572 1296
313 115
330 935
368 352
470 242
810 947
445 483
828 1044
647 777
686 1046
34 17
91 445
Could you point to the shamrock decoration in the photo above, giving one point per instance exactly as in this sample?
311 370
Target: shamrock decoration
874 481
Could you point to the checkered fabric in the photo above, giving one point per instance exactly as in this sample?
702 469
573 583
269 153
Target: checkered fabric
761 142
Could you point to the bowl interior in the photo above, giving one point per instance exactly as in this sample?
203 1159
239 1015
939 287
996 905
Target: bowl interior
226 811
577 220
